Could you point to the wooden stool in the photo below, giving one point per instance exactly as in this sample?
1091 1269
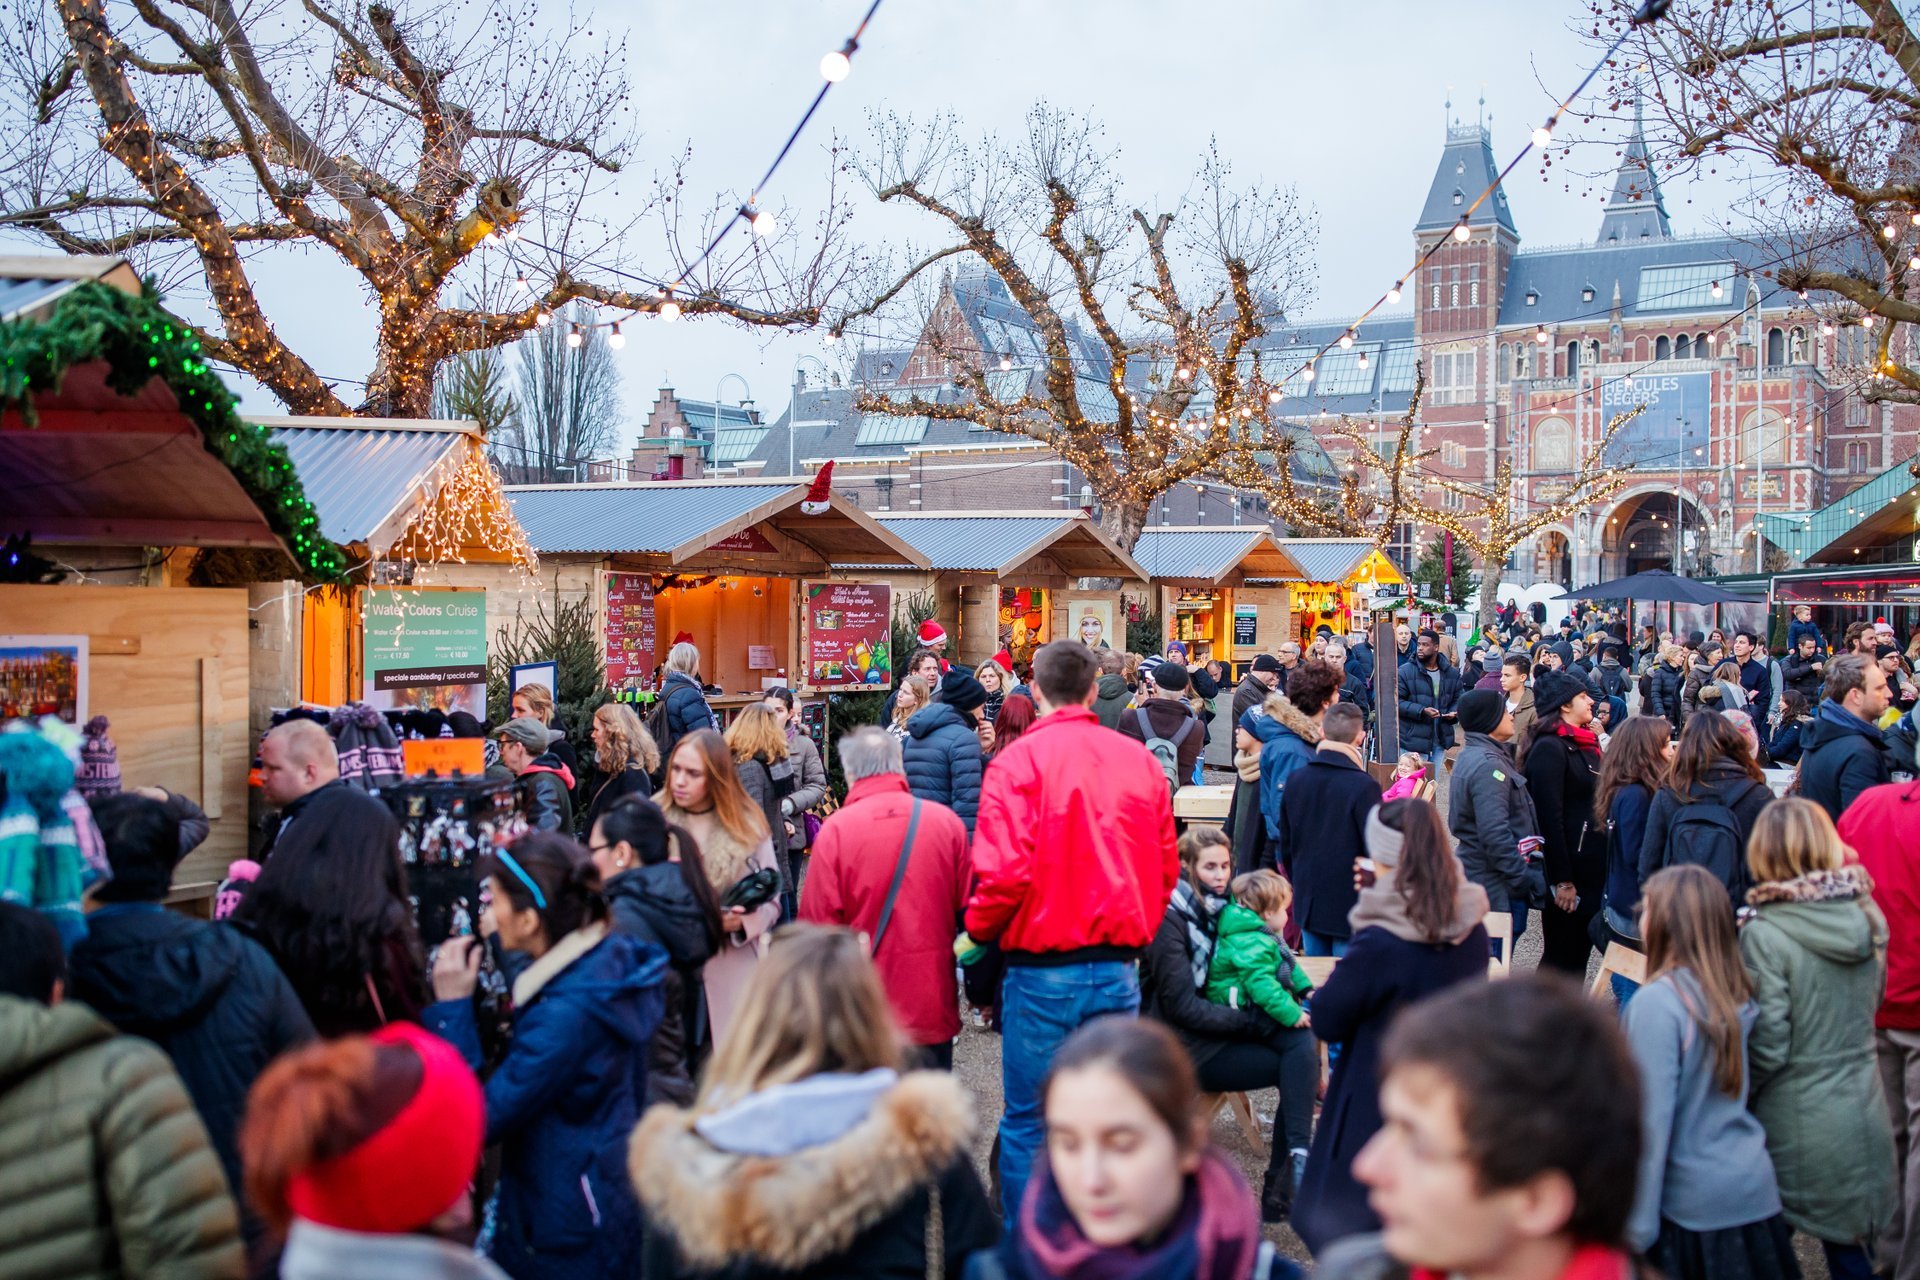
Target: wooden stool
1625 961
1499 926
1242 1107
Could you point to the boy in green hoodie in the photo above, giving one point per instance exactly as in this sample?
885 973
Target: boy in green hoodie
1251 966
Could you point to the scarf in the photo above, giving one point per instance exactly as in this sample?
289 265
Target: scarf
1591 1262
1851 881
1200 913
1214 1236
1583 738
1381 905
1346 749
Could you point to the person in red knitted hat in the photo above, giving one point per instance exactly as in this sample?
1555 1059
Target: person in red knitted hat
359 1152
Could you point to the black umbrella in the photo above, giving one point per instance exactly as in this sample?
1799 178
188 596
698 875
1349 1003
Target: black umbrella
1659 584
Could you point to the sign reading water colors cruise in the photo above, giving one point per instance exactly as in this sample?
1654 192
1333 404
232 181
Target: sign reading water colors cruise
630 635
425 647
849 634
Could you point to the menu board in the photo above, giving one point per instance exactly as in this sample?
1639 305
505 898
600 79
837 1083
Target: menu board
425 647
849 634
629 623
1246 623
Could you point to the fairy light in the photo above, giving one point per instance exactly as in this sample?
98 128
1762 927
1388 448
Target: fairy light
1540 335
669 309
1891 231
1346 340
616 339
765 224
574 338
1463 232
1717 290
837 65
1393 294
542 318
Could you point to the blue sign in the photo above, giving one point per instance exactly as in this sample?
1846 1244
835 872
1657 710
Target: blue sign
1675 423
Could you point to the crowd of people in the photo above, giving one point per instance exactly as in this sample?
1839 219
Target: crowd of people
702 1030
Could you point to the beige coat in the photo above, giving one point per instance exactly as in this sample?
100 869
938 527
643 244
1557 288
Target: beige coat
727 860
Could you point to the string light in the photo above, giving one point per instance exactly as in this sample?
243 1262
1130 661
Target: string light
1542 136
831 338
1463 232
837 65
1540 335
1717 290
1393 294
1363 360
1306 373
1183 373
1006 363
669 310
765 224
1346 340
1891 231
574 338
616 339
541 318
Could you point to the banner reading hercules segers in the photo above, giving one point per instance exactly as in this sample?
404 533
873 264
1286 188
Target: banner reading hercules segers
425 647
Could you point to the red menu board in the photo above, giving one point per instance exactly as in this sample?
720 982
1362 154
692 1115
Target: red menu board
630 639
849 634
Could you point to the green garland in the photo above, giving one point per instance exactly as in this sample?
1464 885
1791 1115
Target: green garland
140 341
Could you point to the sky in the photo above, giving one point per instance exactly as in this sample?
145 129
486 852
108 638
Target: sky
1345 101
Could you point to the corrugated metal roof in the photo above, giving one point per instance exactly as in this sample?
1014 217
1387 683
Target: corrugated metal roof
631 518
18 296
1327 560
963 542
1193 553
358 478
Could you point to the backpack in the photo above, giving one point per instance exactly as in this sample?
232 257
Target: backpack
1706 834
656 724
1166 750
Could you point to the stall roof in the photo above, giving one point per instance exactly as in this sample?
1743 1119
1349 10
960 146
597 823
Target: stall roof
366 476
1002 543
1338 559
680 522
30 284
1881 511
1210 556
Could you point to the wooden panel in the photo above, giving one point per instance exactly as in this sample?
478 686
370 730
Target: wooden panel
177 700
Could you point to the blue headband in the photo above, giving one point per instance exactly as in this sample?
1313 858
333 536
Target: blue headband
505 859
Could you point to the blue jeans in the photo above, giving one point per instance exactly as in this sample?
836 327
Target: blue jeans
1040 1007
1319 944
1847 1261
1623 989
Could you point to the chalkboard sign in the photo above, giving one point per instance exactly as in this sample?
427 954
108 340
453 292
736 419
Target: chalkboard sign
1246 619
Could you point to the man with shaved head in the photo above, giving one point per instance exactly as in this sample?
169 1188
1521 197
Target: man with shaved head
300 776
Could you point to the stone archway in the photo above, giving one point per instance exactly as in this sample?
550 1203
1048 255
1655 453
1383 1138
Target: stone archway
1640 534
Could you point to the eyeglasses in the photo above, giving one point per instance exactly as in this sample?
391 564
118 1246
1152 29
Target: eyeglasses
596 848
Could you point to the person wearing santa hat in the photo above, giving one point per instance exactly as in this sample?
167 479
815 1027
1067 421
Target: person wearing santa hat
934 636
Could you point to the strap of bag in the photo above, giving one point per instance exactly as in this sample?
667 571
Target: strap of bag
899 874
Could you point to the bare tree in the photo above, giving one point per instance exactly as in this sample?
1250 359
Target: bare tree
192 135
1169 385
568 410
1817 105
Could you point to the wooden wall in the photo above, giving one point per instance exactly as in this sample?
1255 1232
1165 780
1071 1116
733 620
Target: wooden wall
169 669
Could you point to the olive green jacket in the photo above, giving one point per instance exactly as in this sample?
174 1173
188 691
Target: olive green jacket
1816 952
105 1169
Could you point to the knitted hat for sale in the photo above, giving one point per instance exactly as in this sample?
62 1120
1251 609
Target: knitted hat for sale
1480 709
241 873
420 1158
932 633
99 771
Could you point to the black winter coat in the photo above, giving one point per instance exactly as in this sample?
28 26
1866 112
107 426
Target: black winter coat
1167 993
210 997
1840 756
1561 779
1799 675
1323 828
1669 690
1726 783
612 789
684 711
655 905
1419 731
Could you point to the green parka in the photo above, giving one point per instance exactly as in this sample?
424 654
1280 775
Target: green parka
1251 970
1817 954
105 1168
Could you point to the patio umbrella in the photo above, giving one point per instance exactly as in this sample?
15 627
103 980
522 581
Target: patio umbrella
1658 584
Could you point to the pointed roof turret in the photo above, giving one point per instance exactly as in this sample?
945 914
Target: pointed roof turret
1466 168
1635 210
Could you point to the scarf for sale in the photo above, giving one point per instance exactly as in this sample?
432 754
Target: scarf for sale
1214 1236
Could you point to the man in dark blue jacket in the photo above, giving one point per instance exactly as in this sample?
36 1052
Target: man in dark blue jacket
1756 677
1429 692
1323 823
212 998
1841 751
942 753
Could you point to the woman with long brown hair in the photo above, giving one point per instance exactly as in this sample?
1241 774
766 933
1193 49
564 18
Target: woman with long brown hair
703 794
811 1148
625 757
1705 813
1707 1206
1632 772
762 758
1416 930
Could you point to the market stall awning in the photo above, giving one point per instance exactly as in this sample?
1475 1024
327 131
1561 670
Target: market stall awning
1881 511
115 432
1340 560
745 525
367 476
1040 544
1214 557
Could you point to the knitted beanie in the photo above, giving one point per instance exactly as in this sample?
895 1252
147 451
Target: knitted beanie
99 771
241 874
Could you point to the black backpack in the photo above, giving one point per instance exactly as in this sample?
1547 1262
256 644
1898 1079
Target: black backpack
1705 833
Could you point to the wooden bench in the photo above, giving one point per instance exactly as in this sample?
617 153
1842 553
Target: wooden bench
1203 806
1499 926
1625 961
1242 1108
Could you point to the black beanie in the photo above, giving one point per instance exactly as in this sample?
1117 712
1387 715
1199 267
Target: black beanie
1480 710
1555 690
1267 662
961 691
143 847
1171 677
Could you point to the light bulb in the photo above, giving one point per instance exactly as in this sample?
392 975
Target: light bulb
1273 396
1540 336
1826 329
1306 374
1006 363
835 66
1866 321
1542 136
573 336
1363 360
765 224
1913 263
1346 340
1462 233
1890 231
513 233
669 311
542 319
1393 294
831 338
616 339
1712 339
1717 290
521 282
1183 373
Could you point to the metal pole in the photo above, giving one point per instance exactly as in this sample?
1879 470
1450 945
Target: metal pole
1760 418
1680 500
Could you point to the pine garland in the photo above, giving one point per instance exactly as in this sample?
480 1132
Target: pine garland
139 341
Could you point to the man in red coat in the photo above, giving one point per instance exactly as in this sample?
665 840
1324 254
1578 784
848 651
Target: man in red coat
1883 827
853 867
1074 859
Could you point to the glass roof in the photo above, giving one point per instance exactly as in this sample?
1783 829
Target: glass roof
1684 288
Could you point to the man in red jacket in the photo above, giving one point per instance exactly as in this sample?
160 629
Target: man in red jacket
1074 861
1883 827
853 868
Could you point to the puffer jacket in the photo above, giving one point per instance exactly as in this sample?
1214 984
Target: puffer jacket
1110 699
213 999
942 758
1699 676
549 786
684 710
1288 739
1489 811
105 1169
1669 693
655 905
1420 732
1816 951
1841 755
1799 675
1252 969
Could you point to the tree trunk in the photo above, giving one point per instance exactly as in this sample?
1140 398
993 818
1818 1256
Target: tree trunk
1124 522
1491 569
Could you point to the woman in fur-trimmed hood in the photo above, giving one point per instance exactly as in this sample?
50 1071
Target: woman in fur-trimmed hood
809 1150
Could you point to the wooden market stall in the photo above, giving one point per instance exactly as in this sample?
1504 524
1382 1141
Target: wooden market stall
747 570
1339 580
1223 590
1009 580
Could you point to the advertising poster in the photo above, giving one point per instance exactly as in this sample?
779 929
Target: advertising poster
43 676
1674 424
1023 621
629 636
1093 623
425 648
849 631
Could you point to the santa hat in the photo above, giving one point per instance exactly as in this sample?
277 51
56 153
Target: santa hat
932 633
1004 660
818 497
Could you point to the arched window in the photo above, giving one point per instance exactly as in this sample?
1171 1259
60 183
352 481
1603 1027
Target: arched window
1663 348
1683 348
1763 436
1702 349
1593 352
1553 445
1776 347
1573 359
1640 348
1504 365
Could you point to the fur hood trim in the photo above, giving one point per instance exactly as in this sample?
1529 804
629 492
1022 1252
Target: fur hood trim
1849 881
791 1212
1292 717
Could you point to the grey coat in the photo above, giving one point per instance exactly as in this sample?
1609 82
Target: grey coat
809 784
1489 811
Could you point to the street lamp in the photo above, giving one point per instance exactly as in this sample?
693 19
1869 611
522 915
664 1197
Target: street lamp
676 452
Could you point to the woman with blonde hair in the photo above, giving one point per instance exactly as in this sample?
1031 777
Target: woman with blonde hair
683 699
625 757
535 702
1707 1205
703 794
763 758
1816 952
810 1148
912 696
998 682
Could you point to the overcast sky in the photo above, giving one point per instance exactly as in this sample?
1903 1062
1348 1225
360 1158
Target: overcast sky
1343 100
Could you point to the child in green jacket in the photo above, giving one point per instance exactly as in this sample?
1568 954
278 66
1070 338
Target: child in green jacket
1251 966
